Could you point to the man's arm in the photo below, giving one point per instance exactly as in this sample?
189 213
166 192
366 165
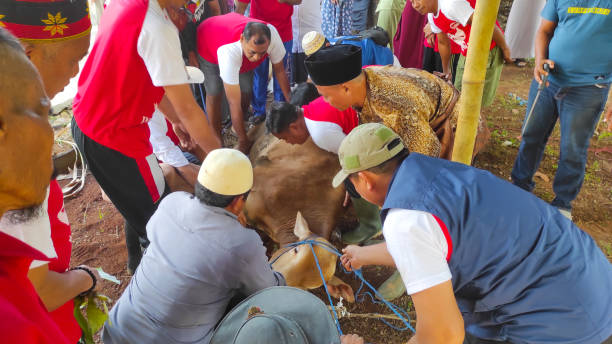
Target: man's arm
444 48
256 272
291 2
500 40
234 99
439 320
55 289
241 6
543 37
283 80
355 257
192 117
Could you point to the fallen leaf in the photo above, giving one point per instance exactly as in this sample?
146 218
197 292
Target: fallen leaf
542 176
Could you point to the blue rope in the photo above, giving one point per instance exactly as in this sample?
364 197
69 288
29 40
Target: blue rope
326 291
399 312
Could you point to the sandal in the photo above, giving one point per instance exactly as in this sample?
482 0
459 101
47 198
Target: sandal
520 63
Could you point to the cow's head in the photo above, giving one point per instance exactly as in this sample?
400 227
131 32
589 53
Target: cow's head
298 266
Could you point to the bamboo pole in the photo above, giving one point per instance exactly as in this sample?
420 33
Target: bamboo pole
473 79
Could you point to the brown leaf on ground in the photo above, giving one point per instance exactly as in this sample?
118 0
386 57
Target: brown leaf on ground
542 176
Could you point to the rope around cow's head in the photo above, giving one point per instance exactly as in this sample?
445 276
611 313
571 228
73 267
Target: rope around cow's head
400 313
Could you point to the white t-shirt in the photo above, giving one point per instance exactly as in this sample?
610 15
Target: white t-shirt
230 57
419 248
160 48
326 135
163 148
456 10
36 232
306 17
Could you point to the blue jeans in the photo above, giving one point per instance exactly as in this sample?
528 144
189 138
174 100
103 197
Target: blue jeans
360 14
260 82
578 109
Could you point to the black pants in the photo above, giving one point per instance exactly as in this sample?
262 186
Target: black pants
299 69
122 179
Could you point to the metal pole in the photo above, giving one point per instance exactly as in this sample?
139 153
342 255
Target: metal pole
483 23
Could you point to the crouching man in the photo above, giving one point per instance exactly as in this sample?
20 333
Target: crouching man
480 257
199 259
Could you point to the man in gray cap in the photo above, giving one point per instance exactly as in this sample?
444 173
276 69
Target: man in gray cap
281 315
199 260
480 257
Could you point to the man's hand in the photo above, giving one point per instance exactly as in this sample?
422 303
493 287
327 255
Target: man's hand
539 71
351 339
352 258
183 135
429 35
506 51
446 77
193 60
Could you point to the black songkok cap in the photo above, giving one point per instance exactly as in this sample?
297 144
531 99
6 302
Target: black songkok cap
334 65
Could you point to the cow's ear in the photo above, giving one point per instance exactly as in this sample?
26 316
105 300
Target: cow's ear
301 229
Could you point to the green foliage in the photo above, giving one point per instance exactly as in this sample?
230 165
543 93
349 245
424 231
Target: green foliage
95 307
604 135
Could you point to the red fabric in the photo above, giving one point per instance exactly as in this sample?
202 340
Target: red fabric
319 110
116 96
60 234
221 30
147 176
455 49
23 318
456 32
38 33
275 13
449 240
171 134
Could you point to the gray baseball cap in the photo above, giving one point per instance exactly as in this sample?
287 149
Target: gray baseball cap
280 315
364 147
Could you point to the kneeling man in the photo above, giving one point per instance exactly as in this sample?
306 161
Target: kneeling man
199 259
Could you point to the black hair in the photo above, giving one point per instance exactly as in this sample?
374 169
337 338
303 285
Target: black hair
260 31
280 116
304 93
214 199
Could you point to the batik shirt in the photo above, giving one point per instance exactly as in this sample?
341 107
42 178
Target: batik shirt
407 100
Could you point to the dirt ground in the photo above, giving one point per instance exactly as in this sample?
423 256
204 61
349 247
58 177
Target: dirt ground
98 238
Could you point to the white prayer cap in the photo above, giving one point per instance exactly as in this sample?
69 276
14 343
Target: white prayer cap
226 172
312 42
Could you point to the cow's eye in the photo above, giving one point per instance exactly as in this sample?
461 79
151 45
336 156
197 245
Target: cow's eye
295 250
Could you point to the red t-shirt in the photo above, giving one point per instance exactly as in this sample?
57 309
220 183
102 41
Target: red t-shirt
23 317
60 235
319 110
218 31
456 31
116 96
275 13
